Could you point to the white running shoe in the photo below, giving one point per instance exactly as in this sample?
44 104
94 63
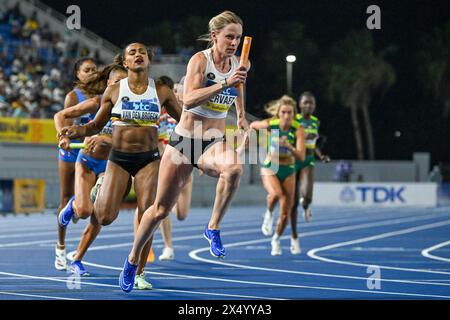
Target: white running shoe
307 215
295 246
140 283
276 247
60 259
167 254
267 226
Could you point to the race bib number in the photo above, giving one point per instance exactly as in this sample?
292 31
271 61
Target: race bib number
144 110
223 101
107 130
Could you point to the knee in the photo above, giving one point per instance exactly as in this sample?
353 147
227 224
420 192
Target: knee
233 173
271 197
181 212
83 211
181 216
104 221
160 212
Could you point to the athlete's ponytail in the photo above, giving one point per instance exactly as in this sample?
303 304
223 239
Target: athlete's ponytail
100 81
271 108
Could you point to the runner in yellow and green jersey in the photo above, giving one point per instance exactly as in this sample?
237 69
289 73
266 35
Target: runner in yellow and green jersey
285 145
305 169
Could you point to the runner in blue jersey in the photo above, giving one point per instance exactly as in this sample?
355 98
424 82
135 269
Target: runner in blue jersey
90 166
84 70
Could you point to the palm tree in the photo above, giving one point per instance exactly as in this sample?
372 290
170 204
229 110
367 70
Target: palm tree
355 74
434 66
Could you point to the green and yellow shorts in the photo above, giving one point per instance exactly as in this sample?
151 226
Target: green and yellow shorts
310 161
283 172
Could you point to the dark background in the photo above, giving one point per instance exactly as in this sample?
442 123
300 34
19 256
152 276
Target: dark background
406 107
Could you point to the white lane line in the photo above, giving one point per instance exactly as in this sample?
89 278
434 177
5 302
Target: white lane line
247 231
313 252
153 290
197 277
35 296
181 229
426 252
298 286
271 284
344 216
194 254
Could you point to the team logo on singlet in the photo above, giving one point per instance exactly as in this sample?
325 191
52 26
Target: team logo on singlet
145 109
211 76
125 99
222 101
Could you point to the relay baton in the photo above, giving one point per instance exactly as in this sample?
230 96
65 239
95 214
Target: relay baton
245 52
77 145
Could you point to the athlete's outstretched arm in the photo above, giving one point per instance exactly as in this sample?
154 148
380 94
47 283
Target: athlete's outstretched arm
100 120
87 106
258 125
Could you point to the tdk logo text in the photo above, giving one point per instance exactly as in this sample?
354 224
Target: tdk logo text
373 194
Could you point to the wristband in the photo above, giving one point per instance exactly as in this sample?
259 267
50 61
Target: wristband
223 83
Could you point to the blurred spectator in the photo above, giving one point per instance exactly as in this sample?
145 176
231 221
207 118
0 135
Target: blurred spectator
84 52
435 175
35 65
343 171
30 25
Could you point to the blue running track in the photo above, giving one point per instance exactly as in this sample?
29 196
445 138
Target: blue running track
343 253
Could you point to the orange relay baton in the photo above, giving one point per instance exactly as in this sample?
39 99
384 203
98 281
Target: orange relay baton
245 52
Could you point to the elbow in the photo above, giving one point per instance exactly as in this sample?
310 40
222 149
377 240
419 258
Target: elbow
58 118
189 102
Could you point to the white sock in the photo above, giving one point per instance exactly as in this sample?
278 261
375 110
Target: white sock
275 237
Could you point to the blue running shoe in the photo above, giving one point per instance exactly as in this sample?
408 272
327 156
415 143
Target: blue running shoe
213 236
126 279
66 213
77 267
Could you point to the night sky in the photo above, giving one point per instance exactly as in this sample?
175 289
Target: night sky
404 108
325 21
